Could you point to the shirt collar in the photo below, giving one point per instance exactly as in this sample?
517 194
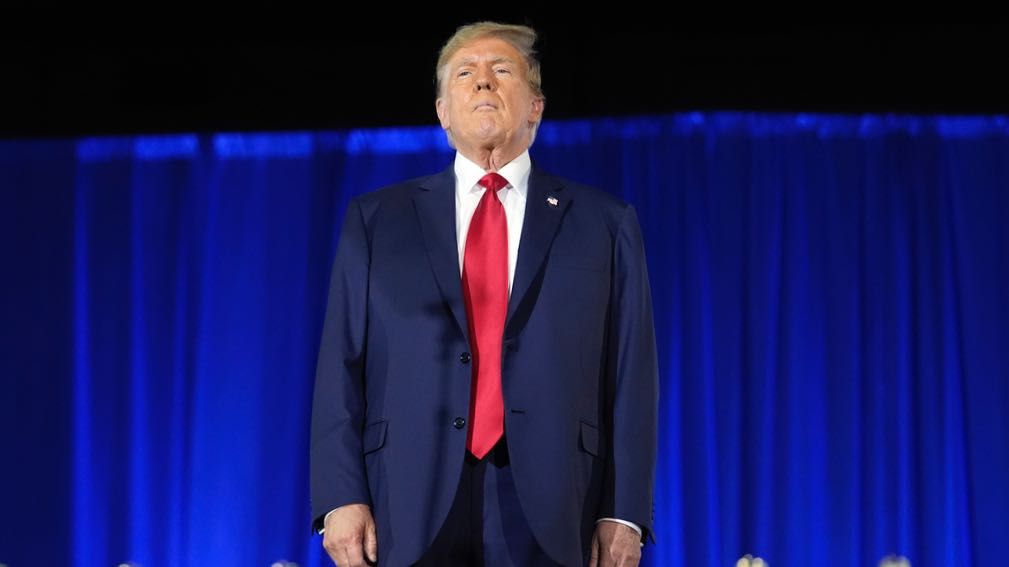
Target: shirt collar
467 173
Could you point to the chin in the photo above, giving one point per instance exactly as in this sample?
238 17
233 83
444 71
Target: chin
489 136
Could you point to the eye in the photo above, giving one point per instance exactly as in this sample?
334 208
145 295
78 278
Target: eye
503 70
462 73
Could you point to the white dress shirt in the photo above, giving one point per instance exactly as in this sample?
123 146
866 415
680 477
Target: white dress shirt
513 197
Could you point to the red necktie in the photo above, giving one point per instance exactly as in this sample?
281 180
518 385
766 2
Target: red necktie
485 290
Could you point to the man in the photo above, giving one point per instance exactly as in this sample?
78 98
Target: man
487 385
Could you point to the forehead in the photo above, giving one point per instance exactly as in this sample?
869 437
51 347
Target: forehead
484 49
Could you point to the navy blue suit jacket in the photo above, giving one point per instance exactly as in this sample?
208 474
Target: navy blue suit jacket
579 377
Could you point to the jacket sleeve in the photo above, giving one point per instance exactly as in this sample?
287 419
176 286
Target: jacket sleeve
632 383
336 461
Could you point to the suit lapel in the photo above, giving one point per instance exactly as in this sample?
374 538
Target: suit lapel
435 205
545 205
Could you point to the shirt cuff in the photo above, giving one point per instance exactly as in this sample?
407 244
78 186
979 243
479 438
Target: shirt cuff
631 525
322 530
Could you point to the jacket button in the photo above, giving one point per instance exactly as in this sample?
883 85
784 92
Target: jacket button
465 358
459 423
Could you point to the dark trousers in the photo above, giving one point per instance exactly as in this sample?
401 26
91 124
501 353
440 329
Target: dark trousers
485 526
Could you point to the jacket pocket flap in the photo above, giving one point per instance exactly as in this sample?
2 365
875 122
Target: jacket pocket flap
374 436
592 441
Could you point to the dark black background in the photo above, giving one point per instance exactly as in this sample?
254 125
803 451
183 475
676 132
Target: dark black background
350 73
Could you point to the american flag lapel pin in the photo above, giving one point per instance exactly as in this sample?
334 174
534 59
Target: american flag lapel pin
552 201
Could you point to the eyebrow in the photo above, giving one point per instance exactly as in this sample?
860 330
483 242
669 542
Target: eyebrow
471 60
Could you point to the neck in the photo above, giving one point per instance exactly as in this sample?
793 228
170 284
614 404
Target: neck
493 158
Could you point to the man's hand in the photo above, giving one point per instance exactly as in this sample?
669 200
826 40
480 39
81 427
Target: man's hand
615 545
350 536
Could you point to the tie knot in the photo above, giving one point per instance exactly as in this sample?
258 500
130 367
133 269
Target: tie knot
493 181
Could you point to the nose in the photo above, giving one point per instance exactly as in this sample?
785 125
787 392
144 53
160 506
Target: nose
485 80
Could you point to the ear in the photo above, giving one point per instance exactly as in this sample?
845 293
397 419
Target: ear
441 107
536 110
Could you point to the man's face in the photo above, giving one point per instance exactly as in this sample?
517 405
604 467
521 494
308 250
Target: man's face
486 101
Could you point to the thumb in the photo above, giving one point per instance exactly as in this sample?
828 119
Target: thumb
594 551
371 542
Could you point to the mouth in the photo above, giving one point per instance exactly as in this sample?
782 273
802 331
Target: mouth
485 106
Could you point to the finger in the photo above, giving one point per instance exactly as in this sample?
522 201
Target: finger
355 554
334 551
371 543
339 556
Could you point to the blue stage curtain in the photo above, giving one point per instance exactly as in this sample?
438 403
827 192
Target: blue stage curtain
831 299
